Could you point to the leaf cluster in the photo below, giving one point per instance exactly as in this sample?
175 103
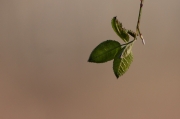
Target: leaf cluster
121 54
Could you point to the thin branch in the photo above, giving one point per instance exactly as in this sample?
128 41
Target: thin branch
128 42
138 22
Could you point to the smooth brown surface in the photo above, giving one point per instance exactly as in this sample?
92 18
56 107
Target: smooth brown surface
45 45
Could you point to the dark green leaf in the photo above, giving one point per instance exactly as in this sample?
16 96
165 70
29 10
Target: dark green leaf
120 31
105 51
121 65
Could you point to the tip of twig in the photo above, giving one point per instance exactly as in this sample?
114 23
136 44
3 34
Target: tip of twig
143 41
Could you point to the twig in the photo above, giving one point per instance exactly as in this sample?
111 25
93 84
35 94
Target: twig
138 23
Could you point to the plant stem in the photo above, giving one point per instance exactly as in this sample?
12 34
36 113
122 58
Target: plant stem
138 22
128 42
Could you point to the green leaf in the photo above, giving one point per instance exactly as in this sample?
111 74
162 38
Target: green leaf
121 65
120 31
126 50
105 51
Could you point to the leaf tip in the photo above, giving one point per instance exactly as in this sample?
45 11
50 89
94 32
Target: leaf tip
117 76
90 59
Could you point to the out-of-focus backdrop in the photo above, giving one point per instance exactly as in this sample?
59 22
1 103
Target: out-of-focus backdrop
45 45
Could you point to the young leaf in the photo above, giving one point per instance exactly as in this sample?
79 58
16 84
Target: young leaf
121 65
126 50
121 32
105 51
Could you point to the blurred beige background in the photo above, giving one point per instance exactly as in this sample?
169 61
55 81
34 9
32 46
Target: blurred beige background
45 45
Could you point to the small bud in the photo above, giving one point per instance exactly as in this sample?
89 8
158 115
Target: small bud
132 33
